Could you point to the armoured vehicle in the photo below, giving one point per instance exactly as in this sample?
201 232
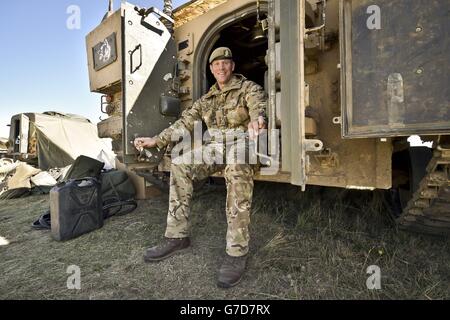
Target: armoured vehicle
348 81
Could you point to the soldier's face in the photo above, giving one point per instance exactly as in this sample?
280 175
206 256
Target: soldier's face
222 69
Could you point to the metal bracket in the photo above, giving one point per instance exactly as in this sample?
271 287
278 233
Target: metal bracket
337 120
312 145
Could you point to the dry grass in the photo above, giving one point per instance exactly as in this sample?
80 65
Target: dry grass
312 245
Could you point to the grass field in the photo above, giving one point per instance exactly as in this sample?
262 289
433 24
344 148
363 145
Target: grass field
312 245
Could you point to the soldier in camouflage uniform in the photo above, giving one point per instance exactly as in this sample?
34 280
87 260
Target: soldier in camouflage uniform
232 104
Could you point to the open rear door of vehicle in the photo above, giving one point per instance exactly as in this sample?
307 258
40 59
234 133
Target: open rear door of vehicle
395 67
148 71
288 50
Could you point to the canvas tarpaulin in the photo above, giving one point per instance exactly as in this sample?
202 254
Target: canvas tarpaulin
62 138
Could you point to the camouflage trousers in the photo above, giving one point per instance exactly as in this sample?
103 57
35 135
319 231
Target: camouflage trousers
239 182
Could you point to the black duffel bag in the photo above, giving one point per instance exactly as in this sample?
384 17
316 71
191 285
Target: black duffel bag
117 192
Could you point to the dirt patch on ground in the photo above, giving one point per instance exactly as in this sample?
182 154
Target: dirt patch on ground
312 245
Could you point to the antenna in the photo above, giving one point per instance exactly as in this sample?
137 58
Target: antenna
110 10
168 11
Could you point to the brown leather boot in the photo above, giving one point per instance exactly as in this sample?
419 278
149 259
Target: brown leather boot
231 271
166 249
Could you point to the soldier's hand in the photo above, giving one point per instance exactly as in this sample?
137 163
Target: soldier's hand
144 142
255 127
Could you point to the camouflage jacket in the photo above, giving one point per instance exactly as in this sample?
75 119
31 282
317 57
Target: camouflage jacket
233 107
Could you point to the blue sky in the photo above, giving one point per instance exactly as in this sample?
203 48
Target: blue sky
43 63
